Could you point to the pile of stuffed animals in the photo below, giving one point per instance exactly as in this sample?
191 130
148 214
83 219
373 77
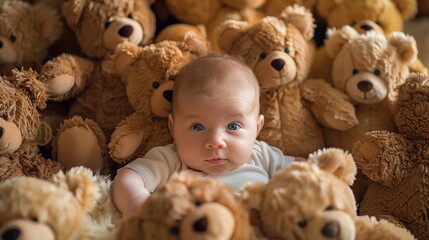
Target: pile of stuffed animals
86 87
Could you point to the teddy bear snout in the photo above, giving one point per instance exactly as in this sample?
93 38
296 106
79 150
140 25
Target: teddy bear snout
126 31
331 229
278 64
365 86
11 234
168 95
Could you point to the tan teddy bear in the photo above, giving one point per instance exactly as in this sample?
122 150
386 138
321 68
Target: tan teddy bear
313 200
279 52
101 97
62 208
26 33
21 95
390 15
211 13
398 162
189 206
148 73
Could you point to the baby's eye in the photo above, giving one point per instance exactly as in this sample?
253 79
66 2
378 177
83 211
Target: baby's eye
233 126
198 127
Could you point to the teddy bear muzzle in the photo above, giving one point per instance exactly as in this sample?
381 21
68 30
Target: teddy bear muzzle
25 229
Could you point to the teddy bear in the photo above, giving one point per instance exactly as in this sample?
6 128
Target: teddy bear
294 107
390 15
313 200
148 74
397 162
100 99
26 33
57 209
190 206
211 13
22 94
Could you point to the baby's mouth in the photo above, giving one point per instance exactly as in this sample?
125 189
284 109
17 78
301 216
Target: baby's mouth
216 161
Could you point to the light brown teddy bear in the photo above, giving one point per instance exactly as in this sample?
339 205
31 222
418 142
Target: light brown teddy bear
211 13
398 162
102 100
390 15
26 33
190 206
148 74
313 200
279 52
62 208
21 95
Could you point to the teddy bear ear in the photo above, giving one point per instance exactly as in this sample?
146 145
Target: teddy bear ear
405 46
301 18
198 45
27 81
407 8
72 11
49 23
252 195
81 183
336 39
229 32
336 161
125 54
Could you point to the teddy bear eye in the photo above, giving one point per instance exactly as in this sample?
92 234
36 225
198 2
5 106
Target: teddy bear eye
329 208
355 71
302 223
287 50
12 38
262 55
35 219
174 230
130 16
353 23
198 203
5 116
155 85
107 24
377 72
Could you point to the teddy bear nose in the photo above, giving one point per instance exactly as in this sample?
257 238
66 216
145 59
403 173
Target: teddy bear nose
11 234
126 31
366 27
201 224
278 64
168 95
331 229
364 85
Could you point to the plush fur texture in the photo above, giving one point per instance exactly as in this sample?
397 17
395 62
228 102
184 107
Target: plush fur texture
101 95
22 94
278 50
313 200
148 74
211 13
68 206
397 162
189 206
26 33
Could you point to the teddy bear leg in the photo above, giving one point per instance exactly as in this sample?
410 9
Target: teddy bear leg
80 143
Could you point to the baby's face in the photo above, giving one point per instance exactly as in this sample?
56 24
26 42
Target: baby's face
216 135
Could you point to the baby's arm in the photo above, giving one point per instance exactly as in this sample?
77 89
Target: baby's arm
129 192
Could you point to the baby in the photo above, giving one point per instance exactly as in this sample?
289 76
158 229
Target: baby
214 122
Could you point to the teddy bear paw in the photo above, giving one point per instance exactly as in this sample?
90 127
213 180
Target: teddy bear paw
366 152
60 85
125 147
340 122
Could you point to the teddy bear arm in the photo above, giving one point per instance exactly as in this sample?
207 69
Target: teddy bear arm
383 156
331 107
127 138
66 76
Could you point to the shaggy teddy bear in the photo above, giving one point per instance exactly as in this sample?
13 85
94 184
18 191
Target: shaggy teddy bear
59 209
313 200
26 33
398 162
189 206
148 74
279 52
211 13
101 101
21 95
390 15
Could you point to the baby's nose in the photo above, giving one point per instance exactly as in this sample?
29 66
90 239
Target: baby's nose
216 140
